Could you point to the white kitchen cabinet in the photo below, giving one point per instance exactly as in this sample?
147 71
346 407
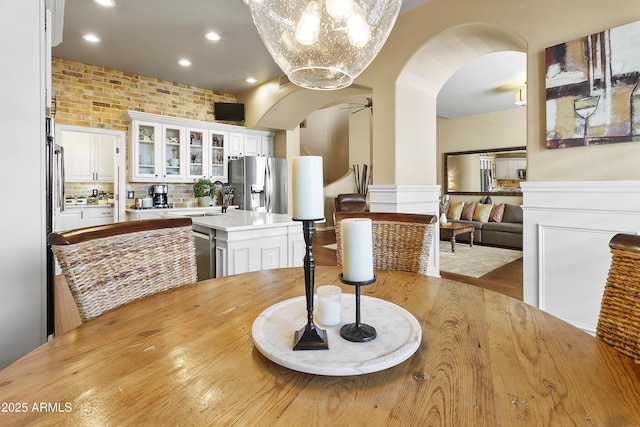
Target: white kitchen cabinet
196 153
88 157
207 154
98 215
266 148
173 154
507 168
252 145
217 156
145 214
170 149
83 216
157 153
502 169
70 219
258 144
236 144
143 152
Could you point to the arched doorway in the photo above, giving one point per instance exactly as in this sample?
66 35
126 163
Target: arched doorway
416 90
418 85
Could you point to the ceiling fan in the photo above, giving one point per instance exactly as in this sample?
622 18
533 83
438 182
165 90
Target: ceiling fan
361 106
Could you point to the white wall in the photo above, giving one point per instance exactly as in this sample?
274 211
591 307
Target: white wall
22 251
327 134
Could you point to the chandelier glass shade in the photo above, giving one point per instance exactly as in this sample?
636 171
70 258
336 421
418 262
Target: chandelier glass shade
324 44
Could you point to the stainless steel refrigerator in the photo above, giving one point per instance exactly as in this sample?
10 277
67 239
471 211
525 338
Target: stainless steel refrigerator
259 183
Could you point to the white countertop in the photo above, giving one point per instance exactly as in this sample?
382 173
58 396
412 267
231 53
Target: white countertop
195 209
103 205
237 220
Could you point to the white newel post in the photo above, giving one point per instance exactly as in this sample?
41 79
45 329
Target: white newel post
567 229
418 199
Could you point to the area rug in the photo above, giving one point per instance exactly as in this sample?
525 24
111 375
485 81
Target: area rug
476 261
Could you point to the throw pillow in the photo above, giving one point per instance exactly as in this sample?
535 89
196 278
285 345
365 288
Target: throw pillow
496 213
467 211
482 213
512 213
455 209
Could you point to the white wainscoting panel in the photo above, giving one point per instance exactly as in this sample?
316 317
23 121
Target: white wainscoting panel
240 259
576 298
567 229
272 258
297 250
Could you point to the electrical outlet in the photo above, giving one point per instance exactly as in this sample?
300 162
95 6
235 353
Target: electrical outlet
130 195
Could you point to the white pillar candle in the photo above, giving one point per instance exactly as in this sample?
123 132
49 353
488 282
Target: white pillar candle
357 249
308 188
329 305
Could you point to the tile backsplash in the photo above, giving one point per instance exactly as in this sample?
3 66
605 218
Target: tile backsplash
180 195
85 188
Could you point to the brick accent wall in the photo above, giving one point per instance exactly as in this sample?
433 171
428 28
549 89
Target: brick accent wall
92 96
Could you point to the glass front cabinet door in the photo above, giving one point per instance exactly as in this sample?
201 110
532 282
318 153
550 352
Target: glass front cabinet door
218 156
207 154
145 155
197 139
173 155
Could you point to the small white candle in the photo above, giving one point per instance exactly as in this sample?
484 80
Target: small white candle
357 249
329 305
308 188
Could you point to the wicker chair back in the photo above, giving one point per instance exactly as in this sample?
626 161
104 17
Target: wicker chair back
401 242
619 320
111 265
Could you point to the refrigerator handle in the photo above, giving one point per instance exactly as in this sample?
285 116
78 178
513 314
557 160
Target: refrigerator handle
267 186
59 154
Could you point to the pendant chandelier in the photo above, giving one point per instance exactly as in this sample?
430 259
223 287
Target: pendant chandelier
324 44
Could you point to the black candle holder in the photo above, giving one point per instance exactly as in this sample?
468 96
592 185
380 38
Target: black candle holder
310 337
358 332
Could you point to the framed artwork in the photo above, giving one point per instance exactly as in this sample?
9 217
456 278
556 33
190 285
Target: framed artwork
593 89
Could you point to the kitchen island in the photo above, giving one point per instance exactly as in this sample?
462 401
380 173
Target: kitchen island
242 241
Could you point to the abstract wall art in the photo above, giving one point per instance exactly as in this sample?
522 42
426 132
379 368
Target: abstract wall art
593 89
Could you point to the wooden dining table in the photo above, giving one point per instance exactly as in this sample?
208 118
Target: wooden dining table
187 357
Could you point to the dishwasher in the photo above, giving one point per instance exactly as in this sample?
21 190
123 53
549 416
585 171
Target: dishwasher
205 251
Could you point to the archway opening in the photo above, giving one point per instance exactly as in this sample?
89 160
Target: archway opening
417 88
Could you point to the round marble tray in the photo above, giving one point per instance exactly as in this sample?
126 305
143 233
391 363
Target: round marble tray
399 336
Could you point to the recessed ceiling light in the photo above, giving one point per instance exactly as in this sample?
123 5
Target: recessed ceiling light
106 3
184 62
91 38
213 36
251 80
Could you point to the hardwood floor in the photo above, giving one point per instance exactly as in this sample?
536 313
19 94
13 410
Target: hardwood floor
505 280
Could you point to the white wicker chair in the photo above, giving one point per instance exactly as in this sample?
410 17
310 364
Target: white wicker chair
110 265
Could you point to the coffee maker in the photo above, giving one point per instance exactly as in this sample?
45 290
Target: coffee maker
160 196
